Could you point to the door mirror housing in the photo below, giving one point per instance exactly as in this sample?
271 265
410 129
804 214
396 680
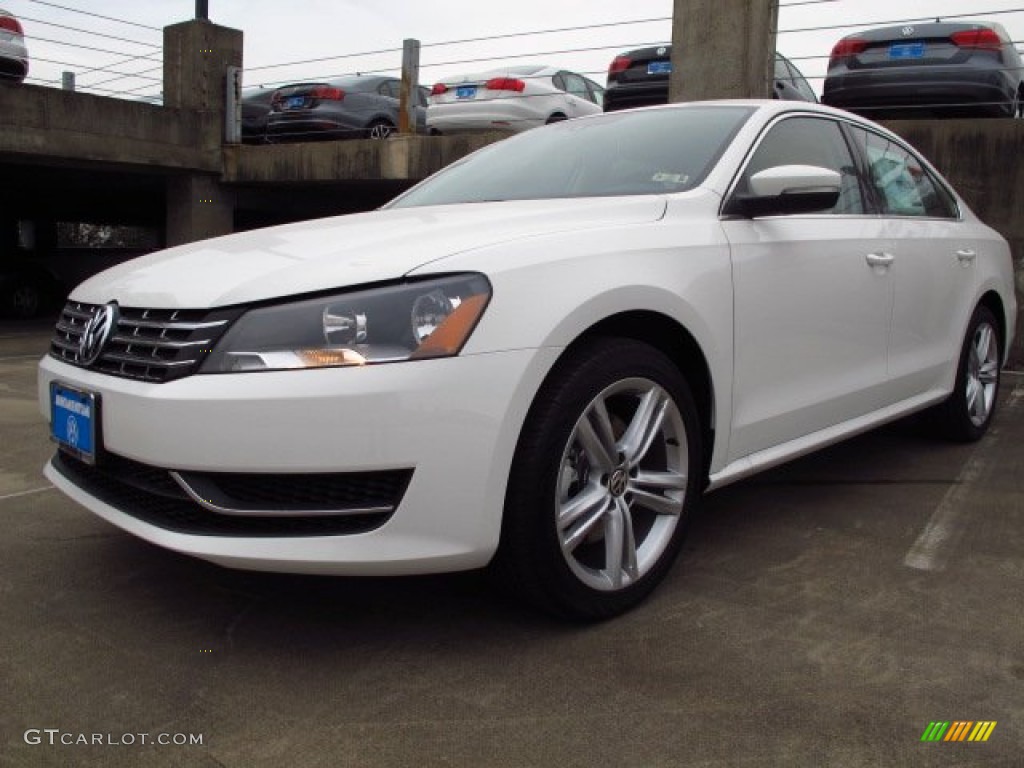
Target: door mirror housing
785 190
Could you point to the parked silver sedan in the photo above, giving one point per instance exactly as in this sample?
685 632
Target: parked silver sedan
511 100
13 53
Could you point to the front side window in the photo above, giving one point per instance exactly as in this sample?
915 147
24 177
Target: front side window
809 141
903 185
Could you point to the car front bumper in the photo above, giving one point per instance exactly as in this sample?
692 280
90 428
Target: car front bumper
452 422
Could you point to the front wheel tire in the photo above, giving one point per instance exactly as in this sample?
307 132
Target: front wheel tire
965 416
604 477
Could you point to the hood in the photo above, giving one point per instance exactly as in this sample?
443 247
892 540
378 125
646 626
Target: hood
343 251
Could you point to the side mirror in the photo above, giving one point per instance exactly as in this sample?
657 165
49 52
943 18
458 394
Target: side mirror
787 189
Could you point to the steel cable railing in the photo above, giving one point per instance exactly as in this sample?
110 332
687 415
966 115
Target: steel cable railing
433 71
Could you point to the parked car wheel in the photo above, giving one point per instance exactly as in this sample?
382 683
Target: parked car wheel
604 475
380 129
556 118
967 413
25 300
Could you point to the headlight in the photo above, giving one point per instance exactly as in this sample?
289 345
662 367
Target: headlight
410 321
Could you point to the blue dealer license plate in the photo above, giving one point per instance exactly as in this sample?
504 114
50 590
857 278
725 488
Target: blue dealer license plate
73 420
906 51
659 67
465 92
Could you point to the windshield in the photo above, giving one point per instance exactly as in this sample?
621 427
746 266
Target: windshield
626 153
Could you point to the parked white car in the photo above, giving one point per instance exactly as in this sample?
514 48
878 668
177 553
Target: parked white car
13 53
511 100
537 359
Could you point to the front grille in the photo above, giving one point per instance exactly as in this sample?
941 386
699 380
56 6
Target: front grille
150 494
155 345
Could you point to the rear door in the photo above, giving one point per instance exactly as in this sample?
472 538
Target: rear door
934 264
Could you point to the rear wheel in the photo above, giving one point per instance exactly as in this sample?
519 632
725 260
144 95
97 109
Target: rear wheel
604 476
965 416
380 129
556 118
24 301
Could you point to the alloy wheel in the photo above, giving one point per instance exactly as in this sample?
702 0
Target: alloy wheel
982 374
622 484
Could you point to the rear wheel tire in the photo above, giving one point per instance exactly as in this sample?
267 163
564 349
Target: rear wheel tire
25 301
558 117
965 416
603 480
380 129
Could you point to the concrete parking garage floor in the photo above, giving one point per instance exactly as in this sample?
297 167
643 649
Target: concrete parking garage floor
822 614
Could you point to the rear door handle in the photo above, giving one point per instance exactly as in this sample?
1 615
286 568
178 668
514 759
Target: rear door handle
966 256
880 259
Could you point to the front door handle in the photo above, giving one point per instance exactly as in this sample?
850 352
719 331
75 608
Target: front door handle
880 259
966 256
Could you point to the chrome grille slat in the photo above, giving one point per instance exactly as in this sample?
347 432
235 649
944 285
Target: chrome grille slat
142 341
155 345
64 345
171 326
77 314
115 357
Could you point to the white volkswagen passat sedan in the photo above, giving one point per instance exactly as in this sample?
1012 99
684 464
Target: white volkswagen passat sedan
511 100
537 359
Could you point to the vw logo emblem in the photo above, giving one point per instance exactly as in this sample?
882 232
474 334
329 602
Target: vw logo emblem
72 430
907 31
618 484
662 51
96 332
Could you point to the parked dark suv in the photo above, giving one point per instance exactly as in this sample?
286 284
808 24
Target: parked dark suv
639 78
923 70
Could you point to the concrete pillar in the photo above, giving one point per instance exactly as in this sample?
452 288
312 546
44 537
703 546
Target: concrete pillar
198 207
197 55
723 49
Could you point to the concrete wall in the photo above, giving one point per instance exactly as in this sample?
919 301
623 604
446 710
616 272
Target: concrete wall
984 160
398 158
55 125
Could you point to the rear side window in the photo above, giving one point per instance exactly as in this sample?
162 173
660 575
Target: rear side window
809 141
390 88
904 186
